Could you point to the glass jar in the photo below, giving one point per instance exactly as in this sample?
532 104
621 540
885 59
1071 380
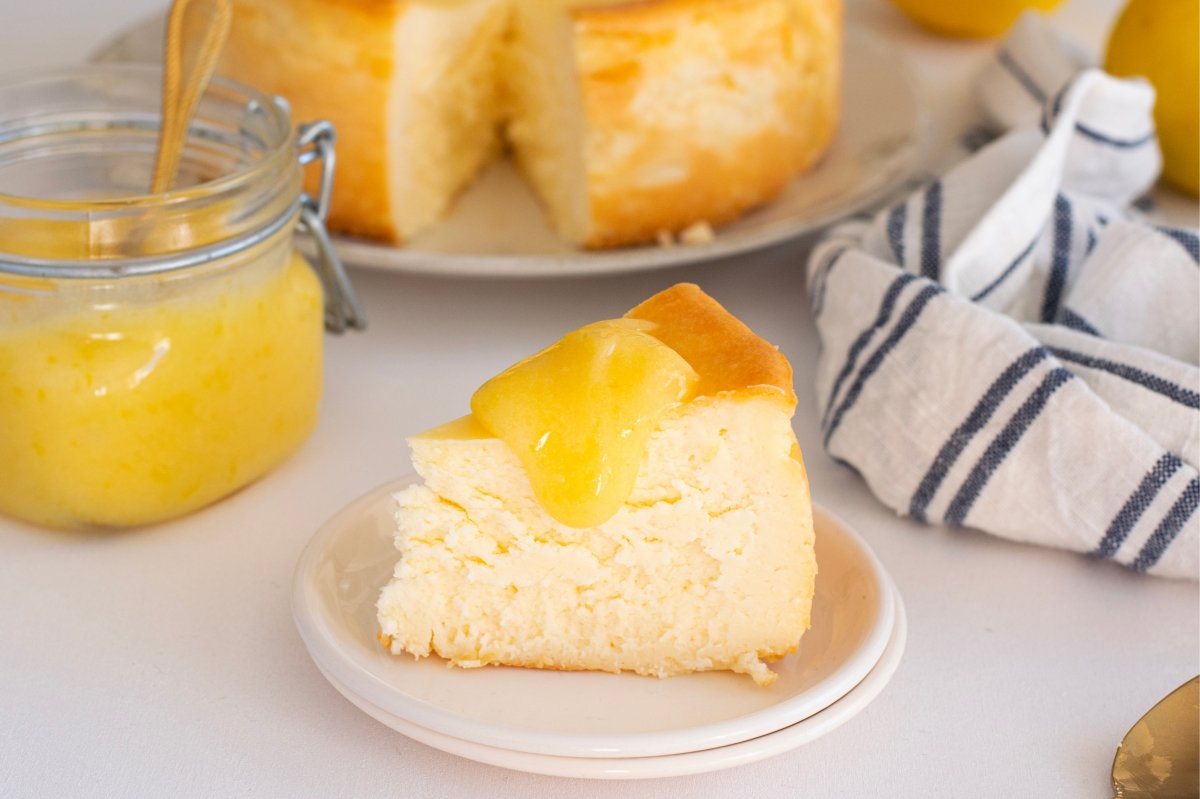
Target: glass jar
157 352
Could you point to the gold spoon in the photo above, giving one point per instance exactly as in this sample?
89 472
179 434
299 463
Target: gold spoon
1157 758
184 80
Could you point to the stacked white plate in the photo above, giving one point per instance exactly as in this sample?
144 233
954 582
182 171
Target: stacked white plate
585 724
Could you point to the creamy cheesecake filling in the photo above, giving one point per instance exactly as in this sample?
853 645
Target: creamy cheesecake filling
544 111
444 109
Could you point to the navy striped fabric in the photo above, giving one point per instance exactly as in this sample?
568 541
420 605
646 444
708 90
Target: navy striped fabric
1151 382
1186 239
980 415
1020 75
1113 141
897 217
823 278
905 324
1179 514
1002 445
1136 505
1008 270
1051 109
1068 318
1060 259
931 235
1053 394
886 307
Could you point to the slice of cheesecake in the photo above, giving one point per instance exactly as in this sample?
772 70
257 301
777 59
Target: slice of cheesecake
632 498
409 85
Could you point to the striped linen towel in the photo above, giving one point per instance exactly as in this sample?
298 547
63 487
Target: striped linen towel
1012 348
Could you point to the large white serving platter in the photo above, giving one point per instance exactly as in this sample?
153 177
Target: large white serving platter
581 714
498 229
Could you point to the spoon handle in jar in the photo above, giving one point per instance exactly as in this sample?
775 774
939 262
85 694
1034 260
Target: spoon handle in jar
184 80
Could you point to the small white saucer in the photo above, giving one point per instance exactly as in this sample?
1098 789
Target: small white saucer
637 768
580 714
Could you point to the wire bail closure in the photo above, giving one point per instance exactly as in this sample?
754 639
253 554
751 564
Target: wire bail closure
315 142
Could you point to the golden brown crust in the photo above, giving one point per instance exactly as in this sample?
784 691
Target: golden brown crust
726 354
699 110
332 60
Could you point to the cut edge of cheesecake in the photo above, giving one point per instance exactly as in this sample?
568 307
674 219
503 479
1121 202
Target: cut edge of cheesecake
368 67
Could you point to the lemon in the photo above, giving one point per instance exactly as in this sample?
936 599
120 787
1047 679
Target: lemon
1157 40
970 19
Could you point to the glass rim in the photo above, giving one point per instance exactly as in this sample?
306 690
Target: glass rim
274 151
98 269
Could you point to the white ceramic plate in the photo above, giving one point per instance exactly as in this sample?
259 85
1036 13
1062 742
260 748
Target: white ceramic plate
497 228
640 768
581 714
738 754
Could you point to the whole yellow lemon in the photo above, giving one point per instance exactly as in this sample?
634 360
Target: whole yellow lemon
1158 40
970 19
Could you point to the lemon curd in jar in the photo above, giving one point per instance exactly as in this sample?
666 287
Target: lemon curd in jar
157 351
131 412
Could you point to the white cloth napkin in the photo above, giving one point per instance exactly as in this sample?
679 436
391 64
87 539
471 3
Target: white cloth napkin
1011 348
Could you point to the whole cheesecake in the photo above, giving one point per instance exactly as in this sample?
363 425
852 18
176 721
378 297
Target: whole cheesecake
632 498
630 119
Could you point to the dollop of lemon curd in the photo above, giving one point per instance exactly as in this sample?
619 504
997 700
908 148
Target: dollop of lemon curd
148 410
579 415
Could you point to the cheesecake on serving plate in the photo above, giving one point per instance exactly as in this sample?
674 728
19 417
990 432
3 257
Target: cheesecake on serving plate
632 498
631 120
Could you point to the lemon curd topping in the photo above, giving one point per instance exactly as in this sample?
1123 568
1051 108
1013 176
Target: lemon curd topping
149 407
579 414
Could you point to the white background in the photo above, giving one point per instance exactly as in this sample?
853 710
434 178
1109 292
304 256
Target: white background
164 662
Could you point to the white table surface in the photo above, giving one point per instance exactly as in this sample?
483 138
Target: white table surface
164 662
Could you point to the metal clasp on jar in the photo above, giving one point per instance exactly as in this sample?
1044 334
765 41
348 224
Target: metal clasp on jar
315 142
